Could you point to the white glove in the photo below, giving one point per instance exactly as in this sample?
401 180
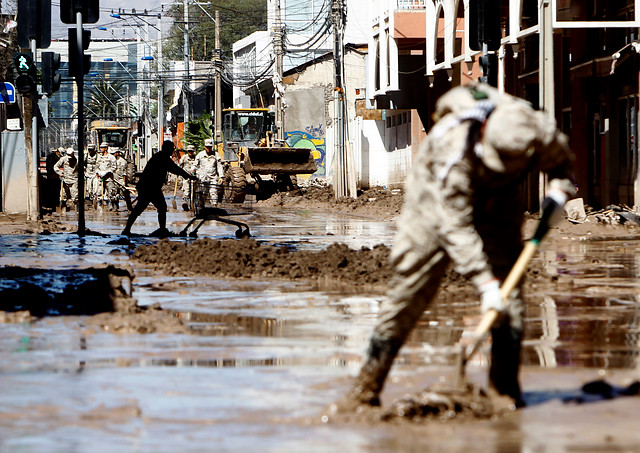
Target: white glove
558 195
490 297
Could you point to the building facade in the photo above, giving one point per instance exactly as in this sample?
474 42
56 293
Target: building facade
576 60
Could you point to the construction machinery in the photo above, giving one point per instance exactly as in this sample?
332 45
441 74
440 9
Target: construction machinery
118 134
255 161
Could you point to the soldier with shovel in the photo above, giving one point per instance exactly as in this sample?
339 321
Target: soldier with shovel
462 208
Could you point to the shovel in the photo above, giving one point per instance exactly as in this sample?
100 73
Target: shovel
518 269
175 192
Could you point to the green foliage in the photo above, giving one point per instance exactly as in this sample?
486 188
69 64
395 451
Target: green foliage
107 98
197 131
238 19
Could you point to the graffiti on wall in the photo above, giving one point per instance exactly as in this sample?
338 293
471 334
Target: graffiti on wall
300 139
315 131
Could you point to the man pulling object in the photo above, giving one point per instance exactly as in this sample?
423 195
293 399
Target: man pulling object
150 188
462 207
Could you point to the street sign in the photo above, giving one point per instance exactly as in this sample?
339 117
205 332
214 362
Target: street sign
7 93
34 22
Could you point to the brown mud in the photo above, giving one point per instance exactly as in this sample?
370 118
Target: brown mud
376 202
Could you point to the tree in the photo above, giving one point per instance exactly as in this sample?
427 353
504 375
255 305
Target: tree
238 19
107 98
197 131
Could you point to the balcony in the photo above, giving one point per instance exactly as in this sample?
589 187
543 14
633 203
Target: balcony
411 4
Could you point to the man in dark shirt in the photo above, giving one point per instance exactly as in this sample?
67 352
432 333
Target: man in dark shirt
150 187
51 196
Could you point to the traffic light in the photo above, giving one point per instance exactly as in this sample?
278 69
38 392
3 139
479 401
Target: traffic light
73 51
26 78
489 65
50 78
90 10
484 24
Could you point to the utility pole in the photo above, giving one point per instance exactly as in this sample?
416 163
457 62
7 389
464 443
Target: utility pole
546 75
340 178
160 86
279 71
32 158
80 88
185 86
217 114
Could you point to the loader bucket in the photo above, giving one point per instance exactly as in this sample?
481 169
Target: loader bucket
279 160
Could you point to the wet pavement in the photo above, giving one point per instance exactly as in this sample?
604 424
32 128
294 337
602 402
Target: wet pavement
267 357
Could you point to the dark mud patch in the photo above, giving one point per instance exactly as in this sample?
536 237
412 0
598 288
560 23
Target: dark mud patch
55 292
104 295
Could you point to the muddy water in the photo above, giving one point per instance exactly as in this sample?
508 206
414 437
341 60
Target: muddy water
266 357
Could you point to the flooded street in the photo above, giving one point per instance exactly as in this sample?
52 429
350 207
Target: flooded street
264 358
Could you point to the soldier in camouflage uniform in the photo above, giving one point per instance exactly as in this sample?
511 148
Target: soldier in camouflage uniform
462 208
67 169
120 176
106 167
91 166
208 168
187 162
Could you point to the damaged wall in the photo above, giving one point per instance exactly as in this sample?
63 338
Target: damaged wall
309 113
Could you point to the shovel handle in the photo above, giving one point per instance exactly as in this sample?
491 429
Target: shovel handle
509 285
175 187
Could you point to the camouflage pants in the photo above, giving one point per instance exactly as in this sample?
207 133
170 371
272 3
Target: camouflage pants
70 191
186 190
92 186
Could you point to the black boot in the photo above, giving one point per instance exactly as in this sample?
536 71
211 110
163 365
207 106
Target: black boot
505 362
374 371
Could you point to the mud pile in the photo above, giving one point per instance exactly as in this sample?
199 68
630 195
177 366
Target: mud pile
249 259
376 202
336 267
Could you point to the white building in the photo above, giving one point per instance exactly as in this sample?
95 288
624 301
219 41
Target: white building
378 141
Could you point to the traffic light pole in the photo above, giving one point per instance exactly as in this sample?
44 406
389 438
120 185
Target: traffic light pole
80 88
30 102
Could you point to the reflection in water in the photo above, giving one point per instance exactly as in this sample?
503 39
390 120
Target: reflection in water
593 318
227 324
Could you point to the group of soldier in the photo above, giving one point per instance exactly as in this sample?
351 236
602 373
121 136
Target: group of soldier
106 178
105 175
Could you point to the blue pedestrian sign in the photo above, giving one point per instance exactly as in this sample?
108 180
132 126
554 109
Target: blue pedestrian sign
7 93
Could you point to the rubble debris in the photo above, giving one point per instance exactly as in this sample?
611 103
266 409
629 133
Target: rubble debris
575 210
613 215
